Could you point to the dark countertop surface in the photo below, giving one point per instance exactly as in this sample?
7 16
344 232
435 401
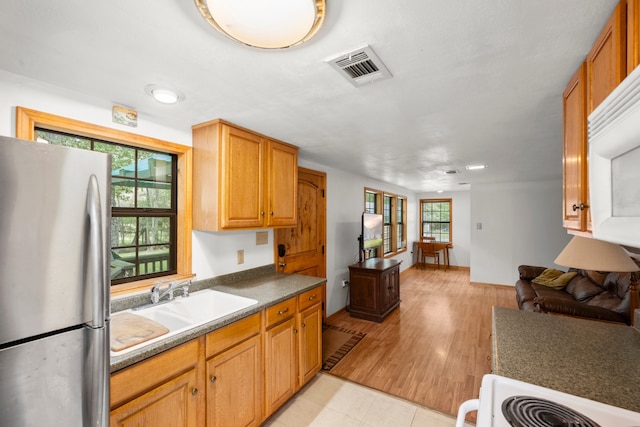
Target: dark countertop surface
268 288
595 360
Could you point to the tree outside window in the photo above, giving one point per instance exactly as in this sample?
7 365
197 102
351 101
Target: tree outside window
143 206
436 219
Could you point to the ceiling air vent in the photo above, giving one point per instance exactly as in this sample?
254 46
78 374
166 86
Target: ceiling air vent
360 66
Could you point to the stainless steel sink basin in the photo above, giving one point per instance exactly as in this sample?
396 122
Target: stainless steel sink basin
182 314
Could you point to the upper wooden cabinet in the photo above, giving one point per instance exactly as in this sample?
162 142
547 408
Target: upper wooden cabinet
606 62
633 35
574 161
242 179
615 53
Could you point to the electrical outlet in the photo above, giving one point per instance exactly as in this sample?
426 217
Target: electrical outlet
240 256
345 283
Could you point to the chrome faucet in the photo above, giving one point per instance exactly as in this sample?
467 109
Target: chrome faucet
157 293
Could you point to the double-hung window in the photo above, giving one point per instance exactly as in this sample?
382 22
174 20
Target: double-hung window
143 206
150 230
435 220
394 210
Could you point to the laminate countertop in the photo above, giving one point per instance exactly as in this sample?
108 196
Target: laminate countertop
265 285
595 360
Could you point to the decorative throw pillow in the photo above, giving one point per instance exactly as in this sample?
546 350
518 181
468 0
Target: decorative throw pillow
553 278
597 276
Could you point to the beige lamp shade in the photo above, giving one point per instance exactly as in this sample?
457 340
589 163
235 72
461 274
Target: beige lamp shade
590 254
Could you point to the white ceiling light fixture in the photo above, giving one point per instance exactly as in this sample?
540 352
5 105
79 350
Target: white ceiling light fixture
476 167
267 24
163 94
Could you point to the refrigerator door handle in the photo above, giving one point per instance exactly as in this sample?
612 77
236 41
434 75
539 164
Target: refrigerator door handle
95 378
96 366
95 283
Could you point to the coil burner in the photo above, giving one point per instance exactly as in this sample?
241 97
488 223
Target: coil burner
527 411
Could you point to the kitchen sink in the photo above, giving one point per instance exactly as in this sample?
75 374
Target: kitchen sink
208 305
182 314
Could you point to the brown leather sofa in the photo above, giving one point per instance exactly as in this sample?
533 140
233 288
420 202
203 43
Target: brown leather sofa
592 295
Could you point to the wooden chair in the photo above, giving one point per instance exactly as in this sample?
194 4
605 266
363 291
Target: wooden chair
428 250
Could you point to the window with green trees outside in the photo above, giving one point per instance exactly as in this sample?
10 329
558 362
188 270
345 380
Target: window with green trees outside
143 206
436 219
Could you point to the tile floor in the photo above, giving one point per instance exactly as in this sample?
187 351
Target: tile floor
328 401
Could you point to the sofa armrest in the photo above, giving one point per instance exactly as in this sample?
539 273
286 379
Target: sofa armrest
575 308
530 272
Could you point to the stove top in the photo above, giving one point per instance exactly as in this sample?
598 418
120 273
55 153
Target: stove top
508 402
528 411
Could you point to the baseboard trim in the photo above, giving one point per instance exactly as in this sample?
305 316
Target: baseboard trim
434 266
499 285
336 314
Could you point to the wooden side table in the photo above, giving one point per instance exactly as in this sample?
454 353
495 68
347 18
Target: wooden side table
374 288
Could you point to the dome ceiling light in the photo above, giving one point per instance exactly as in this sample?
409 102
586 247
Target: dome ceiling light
267 24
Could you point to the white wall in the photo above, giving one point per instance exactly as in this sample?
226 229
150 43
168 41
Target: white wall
24 92
521 224
459 255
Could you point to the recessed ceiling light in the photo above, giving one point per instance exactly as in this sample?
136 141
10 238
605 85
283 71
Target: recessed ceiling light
440 191
163 94
475 167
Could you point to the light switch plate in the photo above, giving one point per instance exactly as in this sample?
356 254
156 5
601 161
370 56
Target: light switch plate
262 237
241 256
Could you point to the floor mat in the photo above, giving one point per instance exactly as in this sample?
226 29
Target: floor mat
336 343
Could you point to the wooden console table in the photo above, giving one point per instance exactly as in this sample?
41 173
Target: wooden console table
374 288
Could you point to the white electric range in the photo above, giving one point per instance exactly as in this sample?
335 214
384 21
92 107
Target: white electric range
508 402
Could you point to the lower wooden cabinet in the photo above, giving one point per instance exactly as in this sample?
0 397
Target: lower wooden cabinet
374 288
165 390
310 343
234 386
173 403
280 355
293 346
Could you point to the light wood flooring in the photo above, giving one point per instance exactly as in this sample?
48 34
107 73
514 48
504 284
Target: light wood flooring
434 349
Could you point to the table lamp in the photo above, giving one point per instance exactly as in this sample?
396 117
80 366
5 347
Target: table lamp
585 253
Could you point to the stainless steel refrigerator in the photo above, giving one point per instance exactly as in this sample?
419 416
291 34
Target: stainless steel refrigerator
54 285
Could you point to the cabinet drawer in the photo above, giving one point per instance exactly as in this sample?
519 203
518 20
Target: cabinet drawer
144 376
232 334
280 312
309 298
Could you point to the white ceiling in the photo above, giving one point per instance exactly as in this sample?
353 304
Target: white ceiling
474 81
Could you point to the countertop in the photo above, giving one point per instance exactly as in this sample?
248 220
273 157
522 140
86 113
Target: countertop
268 287
592 359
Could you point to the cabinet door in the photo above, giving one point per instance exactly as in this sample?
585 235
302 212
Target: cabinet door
234 386
364 291
310 343
391 288
282 184
280 365
575 184
173 403
241 179
606 63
